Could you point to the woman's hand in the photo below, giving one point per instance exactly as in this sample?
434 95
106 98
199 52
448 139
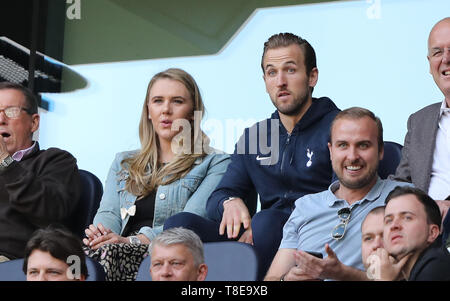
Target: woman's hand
94 232
110 238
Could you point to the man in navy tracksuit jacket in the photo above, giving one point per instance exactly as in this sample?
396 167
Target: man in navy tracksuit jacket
281 158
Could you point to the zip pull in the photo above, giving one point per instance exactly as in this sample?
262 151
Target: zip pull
288 139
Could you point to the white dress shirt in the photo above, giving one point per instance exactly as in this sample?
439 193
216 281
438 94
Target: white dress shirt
439 188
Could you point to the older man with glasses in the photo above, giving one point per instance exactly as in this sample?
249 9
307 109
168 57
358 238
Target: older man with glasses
37 187
330 221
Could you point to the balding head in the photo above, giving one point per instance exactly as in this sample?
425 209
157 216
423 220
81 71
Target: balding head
439 56
438 26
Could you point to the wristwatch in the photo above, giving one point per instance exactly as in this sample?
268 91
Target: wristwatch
134 240
6 162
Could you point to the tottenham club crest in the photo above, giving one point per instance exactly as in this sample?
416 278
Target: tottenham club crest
309 154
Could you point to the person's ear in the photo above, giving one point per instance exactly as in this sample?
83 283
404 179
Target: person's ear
433 233
381 154
331 152
313 77
202 272
35 119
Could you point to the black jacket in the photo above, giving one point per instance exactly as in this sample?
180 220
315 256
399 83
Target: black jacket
43 188
432 265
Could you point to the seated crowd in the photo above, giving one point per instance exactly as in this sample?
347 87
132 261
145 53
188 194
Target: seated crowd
325 212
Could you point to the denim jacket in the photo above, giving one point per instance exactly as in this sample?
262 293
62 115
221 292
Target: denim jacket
187 194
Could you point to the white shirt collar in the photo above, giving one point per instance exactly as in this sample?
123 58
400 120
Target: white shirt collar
444 109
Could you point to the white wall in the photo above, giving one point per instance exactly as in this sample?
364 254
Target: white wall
370 53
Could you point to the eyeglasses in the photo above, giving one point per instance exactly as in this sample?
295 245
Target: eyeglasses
13 112
339 231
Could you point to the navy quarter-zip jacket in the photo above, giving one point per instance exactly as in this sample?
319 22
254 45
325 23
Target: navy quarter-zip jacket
279 166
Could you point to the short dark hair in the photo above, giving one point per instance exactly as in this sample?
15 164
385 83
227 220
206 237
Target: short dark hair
57 241
358 113
287 39
431 208
30 98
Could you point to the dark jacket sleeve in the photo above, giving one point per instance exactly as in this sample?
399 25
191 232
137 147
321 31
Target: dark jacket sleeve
48 190
235 182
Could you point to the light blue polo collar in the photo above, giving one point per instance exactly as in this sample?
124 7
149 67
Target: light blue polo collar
371 196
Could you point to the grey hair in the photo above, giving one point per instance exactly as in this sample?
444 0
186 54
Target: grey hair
183 236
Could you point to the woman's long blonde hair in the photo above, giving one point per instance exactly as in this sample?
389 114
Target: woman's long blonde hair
145 172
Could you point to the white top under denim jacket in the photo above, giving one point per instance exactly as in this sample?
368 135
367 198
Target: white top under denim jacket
187 194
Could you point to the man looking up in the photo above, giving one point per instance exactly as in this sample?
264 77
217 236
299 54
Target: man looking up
332 218
281 158
412 223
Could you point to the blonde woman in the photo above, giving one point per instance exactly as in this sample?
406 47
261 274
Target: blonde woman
174 171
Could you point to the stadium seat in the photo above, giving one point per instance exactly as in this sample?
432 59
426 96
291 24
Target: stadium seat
227 261
12 270
90 197
391 159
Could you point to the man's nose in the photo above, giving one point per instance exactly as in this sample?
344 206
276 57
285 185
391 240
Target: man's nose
166 270
3 117
42 276
446 56
281 79
378 243
396 225
352 153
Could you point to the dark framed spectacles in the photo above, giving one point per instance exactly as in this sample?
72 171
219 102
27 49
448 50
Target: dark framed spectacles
339 231
14 112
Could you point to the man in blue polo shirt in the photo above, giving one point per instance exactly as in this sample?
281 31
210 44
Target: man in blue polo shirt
329 222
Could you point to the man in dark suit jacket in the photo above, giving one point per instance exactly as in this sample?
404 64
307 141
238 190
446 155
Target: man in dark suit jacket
425 155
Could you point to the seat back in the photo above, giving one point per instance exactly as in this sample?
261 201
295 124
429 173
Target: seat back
12 270
144 270
391 159
231 261
227 261
90 197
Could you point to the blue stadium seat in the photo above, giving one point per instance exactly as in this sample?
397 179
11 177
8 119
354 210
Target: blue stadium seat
90 197
391 159
12 270
227 261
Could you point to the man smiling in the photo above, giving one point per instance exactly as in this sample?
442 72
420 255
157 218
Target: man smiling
329 222
37 187
426 152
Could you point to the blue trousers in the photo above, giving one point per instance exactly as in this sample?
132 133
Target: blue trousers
267 230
